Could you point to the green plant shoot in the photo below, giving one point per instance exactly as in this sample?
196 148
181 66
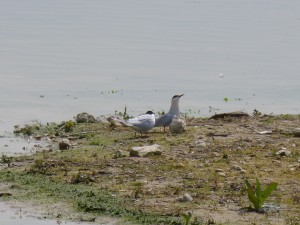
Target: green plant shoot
258 196
187 217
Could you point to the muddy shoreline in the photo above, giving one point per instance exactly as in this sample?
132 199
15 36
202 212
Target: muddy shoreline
202 170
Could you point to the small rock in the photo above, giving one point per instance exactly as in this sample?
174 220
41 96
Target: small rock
236 167
243 171
219 170
114 121
145 151
102 119
5 194
38 137
200 143
221 174
215 154
283 152
277 162
64 144
296 132
121 154
178 126
225 156
185 198
265 132
85 118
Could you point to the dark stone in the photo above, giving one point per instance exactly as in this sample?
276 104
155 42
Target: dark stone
85 118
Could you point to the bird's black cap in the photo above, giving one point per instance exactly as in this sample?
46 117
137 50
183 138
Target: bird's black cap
177 96
149 112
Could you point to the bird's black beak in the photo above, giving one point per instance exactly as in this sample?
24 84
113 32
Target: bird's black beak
181 95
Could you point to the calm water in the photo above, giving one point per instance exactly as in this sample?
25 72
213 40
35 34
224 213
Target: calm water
59 58
23 216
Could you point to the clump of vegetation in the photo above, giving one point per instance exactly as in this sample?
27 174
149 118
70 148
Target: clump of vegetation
187 220
187 217
123 114
69 125
256 113
112 92
27 129
45 166
258 196
6 159
80 177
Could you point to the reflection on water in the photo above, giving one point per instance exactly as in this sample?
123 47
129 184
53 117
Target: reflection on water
12 144
15 216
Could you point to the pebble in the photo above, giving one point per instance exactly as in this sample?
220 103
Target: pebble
221 174
146 151
200 143
185 198
121 154
296 132
64 144
215 154
85 118
178 126
236 167
265 132
283 152
277 162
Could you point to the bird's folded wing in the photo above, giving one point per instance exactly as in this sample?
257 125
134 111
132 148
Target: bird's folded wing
139 120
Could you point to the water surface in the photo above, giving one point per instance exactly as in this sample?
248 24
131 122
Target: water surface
59 58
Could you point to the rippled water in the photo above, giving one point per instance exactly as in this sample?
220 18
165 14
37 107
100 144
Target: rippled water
58 58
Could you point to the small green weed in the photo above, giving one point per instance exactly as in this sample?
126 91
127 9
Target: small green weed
6 159
258 196
187 217
69 125
27 129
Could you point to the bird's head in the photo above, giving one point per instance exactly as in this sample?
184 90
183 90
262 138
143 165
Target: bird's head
176 98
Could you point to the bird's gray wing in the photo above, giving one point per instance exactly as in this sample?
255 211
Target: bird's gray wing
164 120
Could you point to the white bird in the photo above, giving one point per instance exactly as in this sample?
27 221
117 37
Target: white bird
166 119
141 123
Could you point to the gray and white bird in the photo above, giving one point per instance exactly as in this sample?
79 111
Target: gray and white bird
141 123
166 119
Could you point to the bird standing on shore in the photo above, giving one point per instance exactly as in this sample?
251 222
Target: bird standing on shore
141 123
166 119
